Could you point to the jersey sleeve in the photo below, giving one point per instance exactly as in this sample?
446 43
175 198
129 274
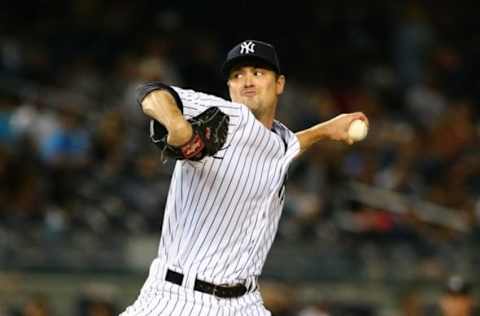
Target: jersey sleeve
293 145
192 102
290 140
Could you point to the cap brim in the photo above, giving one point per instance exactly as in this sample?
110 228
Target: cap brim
247 60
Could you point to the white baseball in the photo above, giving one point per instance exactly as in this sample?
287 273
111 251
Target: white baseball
357 130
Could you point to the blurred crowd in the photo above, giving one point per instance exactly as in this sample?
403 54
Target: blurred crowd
39 304
454 297
77 166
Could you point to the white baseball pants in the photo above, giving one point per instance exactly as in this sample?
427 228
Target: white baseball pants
168 299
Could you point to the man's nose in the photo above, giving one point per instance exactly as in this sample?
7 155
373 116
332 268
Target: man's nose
248 82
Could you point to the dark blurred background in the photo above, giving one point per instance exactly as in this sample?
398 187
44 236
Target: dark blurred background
376 228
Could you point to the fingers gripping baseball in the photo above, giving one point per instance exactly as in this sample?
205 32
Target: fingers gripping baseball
349 128
358 128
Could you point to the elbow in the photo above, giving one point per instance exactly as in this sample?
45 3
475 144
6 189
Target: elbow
144 97
147 108
151 102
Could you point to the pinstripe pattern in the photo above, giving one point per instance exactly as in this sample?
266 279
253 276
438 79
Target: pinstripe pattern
173 300
221 216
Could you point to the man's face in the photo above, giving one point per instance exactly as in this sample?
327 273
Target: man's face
256 87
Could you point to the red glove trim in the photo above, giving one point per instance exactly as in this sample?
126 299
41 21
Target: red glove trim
193 147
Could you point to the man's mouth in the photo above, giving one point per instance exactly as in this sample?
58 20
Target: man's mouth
249 93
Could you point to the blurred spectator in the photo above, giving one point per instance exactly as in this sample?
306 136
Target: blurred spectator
315 310
109 143
68 146
426 102
34 121
7 135
457 299
411 304
413 41
279 298
100 308
37 305
96 300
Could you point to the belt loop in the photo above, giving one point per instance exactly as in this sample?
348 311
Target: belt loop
251 284
158 270
189 280
163 271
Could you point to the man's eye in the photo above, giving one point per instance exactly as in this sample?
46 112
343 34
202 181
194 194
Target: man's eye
237 75
258 73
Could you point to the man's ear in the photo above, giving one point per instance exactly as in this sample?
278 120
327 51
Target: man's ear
280 84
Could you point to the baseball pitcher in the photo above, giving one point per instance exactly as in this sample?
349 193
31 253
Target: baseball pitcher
227 189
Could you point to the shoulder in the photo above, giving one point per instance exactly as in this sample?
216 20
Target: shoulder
282 130
288 137
195 102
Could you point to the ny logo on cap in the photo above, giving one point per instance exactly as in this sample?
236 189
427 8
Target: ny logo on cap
247 47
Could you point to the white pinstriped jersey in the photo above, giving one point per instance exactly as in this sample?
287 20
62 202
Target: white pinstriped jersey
222 213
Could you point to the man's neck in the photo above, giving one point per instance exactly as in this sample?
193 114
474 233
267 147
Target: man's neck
266 118
268 123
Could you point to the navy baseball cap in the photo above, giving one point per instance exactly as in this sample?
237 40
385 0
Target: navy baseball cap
257 52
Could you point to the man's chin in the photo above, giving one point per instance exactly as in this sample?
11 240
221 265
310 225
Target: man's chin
249 101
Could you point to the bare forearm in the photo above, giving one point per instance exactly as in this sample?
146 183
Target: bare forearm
333 129
312 135
161 106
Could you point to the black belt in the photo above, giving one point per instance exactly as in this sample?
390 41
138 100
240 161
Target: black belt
209 288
